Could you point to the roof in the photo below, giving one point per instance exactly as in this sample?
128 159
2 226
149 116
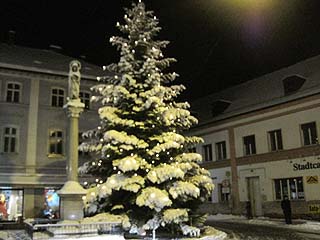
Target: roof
262 92
43 61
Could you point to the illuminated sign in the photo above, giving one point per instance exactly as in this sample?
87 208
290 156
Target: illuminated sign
305 166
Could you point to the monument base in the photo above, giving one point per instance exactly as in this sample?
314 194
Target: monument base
71 207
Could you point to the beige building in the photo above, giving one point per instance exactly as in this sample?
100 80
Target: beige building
33 128
261 142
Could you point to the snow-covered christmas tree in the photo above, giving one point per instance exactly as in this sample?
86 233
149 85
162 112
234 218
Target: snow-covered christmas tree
142 165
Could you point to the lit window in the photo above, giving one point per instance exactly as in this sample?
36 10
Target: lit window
221 150
249 144
55 142
10 140
85 98
290 187
13 92
275 140
207 151
57 97
309 133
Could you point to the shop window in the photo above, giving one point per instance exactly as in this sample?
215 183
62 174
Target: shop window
11 203
275 140
221 150
55 142
291 187
309 133
224 193
52 204
85 98
249 145
207 151
13 92
57 97
10 140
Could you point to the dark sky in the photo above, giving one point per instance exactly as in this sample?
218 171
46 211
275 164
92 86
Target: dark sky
218 43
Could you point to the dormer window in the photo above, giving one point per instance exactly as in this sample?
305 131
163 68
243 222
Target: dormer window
292 84
219 106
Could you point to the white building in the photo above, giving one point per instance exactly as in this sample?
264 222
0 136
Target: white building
33 127
261 142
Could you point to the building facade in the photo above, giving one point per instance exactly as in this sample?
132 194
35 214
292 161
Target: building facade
33 128
261 142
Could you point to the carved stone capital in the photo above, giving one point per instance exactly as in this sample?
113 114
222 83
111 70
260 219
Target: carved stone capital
74 107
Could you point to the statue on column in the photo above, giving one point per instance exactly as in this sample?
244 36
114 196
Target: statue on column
74 80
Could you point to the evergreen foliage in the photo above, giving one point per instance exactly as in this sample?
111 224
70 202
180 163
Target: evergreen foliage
142 167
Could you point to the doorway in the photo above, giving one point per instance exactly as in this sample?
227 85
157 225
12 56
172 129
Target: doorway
254 196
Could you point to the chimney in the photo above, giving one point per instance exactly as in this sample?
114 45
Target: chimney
11 37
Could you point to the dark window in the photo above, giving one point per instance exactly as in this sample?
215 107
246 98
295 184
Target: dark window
207 151
55 142
13 92
249 144
192 150
309 133
85 98
219 107
10 140
275 140
292 84
291 187
221 151
57 97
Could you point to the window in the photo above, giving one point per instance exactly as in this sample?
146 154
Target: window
275 140
57 97
219 106
249 144
221 151
309 133
55 142
85 98
12 204
207 151
291 187
13 92
192 150
292 84
10 140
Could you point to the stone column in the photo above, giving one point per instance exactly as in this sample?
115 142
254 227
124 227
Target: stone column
234 174
71 207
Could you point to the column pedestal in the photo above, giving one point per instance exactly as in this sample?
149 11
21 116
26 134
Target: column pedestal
71 207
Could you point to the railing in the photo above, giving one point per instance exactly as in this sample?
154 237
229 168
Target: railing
60 230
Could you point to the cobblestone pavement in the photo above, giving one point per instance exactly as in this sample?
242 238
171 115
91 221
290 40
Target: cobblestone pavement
242 231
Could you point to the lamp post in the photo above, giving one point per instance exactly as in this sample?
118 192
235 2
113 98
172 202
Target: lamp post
71 193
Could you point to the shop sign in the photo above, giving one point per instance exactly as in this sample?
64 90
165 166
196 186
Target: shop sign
305 166
312 179
225 190
314 208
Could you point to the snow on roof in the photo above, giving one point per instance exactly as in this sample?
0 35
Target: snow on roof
43 61
265 91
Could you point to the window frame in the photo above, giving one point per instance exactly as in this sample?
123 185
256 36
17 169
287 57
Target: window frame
278 147
17 139
7 89
253 150
56 139
57 95
85 100
223 152
286 182
209 155
309 134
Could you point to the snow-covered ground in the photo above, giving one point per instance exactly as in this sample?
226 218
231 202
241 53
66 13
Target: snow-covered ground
298 224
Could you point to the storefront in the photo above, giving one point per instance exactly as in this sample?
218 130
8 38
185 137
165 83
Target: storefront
11 204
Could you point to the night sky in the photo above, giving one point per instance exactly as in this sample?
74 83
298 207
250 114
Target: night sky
218 43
